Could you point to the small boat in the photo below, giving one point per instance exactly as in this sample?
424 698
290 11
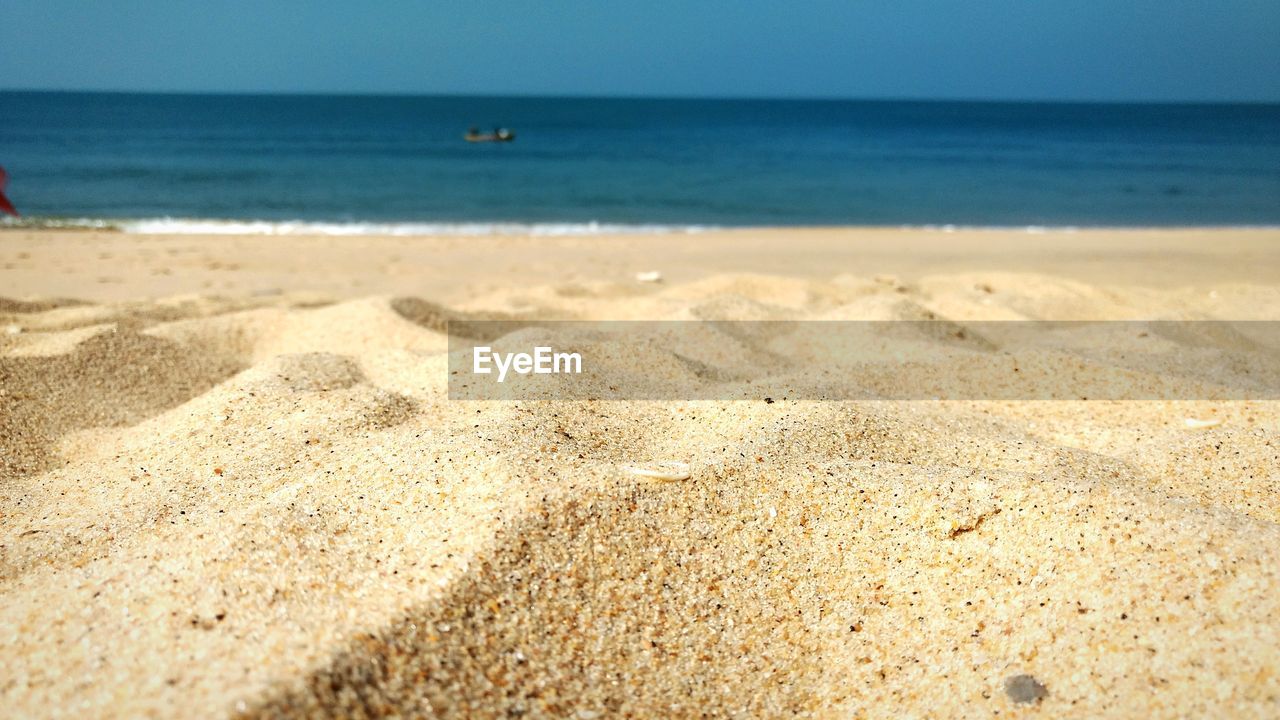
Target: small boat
499 135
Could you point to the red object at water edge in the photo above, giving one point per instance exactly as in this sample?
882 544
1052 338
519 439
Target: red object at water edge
5 205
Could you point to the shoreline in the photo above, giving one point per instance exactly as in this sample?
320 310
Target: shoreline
501 228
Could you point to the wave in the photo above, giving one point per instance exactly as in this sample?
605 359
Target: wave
198 226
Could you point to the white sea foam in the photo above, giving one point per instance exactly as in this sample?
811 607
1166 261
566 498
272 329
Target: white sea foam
182 226
1028 229
197 226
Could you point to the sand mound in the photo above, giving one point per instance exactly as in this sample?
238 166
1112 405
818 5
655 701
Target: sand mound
269 507
113 377
744 591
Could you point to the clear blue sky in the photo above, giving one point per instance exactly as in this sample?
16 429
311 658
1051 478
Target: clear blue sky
997 49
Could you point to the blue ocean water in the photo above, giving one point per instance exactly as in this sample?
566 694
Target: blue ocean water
356 160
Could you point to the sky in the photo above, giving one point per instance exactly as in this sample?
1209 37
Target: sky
1105 50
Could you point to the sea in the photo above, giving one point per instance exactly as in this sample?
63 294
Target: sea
399 164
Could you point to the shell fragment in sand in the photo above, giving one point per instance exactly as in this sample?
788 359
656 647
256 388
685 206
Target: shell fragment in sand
664 471
652 276
1198 424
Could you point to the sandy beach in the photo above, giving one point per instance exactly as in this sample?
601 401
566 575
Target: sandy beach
232 484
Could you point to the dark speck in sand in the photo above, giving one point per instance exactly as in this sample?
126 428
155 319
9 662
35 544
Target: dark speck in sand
1024 689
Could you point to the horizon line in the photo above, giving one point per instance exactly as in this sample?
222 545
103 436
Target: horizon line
588 96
